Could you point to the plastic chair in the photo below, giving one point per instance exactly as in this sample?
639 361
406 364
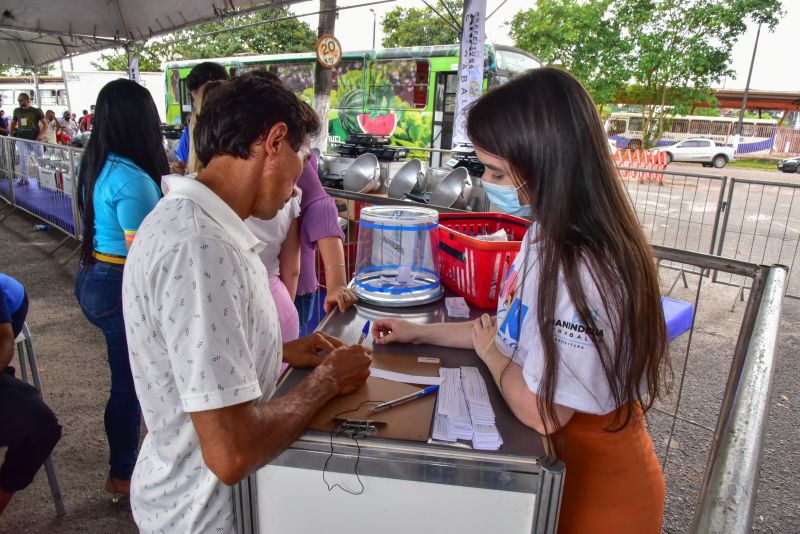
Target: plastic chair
27 362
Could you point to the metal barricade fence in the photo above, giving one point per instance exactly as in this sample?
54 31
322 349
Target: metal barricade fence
690 426
41 179
6 174
761 225
677 210
684 213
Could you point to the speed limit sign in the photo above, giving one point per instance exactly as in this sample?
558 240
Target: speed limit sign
329 51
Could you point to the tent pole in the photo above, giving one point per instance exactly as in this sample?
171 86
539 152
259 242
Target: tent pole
66 86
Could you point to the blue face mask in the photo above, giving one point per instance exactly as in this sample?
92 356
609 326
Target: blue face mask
506 199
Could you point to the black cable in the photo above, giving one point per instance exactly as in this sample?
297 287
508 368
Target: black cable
339 430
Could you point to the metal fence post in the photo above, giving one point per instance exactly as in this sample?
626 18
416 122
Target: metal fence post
721 206
727 499
725 219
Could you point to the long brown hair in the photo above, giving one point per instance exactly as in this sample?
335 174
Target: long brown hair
545 125
193 164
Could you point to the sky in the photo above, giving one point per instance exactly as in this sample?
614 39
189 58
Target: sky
771 71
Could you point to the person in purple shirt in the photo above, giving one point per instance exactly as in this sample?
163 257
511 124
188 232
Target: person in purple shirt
319 227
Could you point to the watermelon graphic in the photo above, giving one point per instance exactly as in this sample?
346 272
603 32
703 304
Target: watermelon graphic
380 125
351 105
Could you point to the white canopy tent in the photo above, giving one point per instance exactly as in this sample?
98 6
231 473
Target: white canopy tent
37 32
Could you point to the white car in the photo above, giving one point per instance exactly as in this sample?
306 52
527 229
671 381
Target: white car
699 150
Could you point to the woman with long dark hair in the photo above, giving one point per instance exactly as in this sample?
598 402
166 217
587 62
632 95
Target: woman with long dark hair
578 347
118 184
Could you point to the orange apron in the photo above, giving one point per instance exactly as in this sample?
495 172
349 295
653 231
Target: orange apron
613 482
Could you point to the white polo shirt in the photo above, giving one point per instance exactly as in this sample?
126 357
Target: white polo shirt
203 333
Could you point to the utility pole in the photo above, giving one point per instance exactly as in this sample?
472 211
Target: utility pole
322 75
374 24
66 86
746 91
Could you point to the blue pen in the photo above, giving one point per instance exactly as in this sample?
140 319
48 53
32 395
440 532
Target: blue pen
364 333
404 399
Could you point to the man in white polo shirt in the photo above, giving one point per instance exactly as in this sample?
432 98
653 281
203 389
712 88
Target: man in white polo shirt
203 332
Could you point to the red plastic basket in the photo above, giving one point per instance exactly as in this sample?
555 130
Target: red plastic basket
473 268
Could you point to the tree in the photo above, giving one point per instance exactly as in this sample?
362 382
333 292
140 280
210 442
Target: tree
150 58
14 70
222 39
582 37
421 26
685 44
664 54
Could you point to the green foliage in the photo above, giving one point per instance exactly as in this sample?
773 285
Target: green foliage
585 38
150 58
685 44
664 54
284 36
707 112
420 26
13 70
750 115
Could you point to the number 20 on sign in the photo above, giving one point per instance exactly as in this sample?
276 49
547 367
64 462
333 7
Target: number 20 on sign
329 51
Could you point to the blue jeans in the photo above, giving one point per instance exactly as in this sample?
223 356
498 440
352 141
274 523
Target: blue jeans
305 306
305 312
99 292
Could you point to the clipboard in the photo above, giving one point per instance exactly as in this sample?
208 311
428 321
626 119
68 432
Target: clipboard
410 421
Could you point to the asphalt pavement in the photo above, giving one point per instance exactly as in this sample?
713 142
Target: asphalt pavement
737 172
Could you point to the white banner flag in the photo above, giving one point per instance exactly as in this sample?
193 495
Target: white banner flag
470 69
133 69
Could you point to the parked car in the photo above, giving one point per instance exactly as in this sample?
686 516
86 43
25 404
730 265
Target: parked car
789 165
699 150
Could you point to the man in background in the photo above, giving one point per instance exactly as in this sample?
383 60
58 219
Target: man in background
50 135
69 127
200 75
86 121
27 124
3 123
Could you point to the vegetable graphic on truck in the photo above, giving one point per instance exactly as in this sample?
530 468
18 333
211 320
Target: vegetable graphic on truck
407 94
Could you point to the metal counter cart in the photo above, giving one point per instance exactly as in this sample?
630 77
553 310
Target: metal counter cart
407 485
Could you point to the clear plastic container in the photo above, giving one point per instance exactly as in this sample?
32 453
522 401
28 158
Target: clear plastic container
397 262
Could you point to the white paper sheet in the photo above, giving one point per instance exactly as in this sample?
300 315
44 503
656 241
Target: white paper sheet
408 379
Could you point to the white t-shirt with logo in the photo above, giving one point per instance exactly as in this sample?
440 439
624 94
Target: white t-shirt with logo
203 333
582 384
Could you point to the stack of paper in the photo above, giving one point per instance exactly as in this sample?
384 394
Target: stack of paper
452 415
457 307
463 410
481 414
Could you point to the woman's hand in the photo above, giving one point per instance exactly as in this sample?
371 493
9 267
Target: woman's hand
484 331
387 331
343 297
304 352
